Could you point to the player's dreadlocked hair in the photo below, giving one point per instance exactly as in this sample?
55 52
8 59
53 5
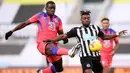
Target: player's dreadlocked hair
104 19
49 2
85 12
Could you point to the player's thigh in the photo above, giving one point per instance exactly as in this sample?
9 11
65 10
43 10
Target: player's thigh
41 47
104 60
45 48
110 60
97 66
58 65
86 63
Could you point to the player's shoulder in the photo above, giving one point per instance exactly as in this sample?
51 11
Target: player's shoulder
75 28
55 16
93 25
42 13
96 26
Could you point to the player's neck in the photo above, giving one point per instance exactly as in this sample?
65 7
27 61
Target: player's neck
51 16
105 30
85 25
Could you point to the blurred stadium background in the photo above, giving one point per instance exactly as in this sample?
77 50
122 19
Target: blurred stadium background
19 54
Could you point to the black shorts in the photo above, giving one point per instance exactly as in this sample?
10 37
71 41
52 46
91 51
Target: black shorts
91 63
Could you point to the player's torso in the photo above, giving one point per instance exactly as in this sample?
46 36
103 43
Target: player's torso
85 36
107 45
47 27
89 33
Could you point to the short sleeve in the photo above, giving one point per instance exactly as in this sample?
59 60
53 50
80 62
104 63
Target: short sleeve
114 32
60 25
100 34
34 18
72 32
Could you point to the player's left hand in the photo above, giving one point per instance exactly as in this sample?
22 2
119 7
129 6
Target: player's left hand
123 32
65 41
8 34
112 53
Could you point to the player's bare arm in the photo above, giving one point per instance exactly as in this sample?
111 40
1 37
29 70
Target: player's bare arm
58 38
107 37
65 40
115 48
20 26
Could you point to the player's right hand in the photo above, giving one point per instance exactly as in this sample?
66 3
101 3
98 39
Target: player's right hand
8 34
65 41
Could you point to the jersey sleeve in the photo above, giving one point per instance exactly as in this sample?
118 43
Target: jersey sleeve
100 34
72 33
114 32
34 18
60 25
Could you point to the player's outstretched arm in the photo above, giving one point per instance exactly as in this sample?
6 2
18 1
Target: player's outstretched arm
65 40
70 34
58 38
20 26
107 37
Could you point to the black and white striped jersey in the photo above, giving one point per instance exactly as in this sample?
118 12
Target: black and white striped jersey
85 35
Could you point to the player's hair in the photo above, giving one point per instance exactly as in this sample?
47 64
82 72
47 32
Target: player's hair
85 12
49 2
105 19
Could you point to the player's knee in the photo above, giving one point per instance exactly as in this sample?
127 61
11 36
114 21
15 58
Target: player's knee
48 50
51 49
59 69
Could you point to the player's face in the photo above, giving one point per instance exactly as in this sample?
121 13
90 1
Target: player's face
85 19
51 9
105 24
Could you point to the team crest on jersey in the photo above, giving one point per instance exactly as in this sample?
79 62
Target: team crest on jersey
56 21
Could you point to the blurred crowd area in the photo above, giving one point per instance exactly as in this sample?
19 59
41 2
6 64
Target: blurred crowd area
16 51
